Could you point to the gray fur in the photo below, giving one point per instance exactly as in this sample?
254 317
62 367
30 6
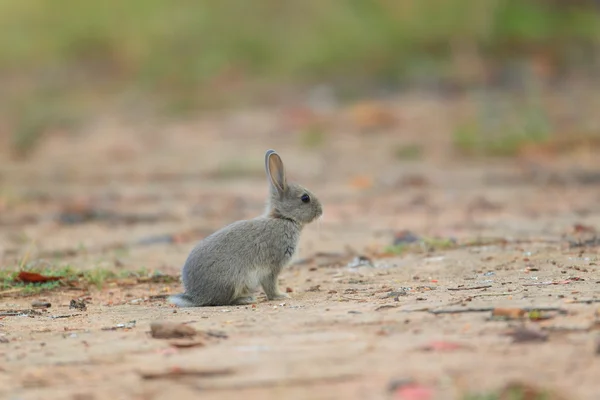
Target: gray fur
227 267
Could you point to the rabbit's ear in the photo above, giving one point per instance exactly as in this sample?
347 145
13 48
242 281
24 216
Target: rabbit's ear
275 171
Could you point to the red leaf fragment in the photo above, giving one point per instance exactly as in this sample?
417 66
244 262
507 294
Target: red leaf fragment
34 277
413 391
580 228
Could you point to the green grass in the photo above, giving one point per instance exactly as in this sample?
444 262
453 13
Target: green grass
514 391
428 244
472 141
397 249
63 61
313 137
8 278
96 277
237 169
409 152
502 128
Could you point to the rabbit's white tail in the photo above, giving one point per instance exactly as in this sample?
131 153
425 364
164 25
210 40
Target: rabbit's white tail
181 300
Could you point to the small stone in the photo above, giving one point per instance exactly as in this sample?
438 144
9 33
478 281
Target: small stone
78 304
40 304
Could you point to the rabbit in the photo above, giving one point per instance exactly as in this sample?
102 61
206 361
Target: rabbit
228 266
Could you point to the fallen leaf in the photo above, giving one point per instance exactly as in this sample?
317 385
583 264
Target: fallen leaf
523 335
361 182
526 391
184 344
413 181
580 228
34 277
442 346
372 115
171 330
410 391
508 313
405 237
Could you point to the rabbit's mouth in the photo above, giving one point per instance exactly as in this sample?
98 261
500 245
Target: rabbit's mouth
318 217
319 221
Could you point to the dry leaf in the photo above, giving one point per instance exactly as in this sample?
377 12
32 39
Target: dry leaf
34 277
442 346
184 344
522 335
412 391
361 182
170 330
509 313
371 115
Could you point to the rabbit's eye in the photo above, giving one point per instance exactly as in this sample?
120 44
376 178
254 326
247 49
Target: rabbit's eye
305 198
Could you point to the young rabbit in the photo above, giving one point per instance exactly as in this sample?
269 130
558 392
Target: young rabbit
229 265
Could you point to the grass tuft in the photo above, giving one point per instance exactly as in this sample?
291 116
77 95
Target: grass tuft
97 277
409 152
503 127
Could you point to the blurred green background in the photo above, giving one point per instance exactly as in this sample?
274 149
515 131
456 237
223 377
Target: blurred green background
62 61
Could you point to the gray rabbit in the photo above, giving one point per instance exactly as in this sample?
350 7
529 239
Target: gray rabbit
228 266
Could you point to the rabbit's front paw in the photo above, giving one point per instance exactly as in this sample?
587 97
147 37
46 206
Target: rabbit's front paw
279 296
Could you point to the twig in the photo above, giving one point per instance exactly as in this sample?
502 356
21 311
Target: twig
64 316
460 310
495 294
569 328
180 373
283 382
565 282
588 301
11 313
351 298
471 288
489 309
386 306
14 313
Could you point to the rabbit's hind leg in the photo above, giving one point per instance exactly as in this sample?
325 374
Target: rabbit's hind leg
244 296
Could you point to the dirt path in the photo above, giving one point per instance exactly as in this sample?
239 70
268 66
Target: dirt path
120 198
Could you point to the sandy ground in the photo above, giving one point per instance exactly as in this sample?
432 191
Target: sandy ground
348 331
